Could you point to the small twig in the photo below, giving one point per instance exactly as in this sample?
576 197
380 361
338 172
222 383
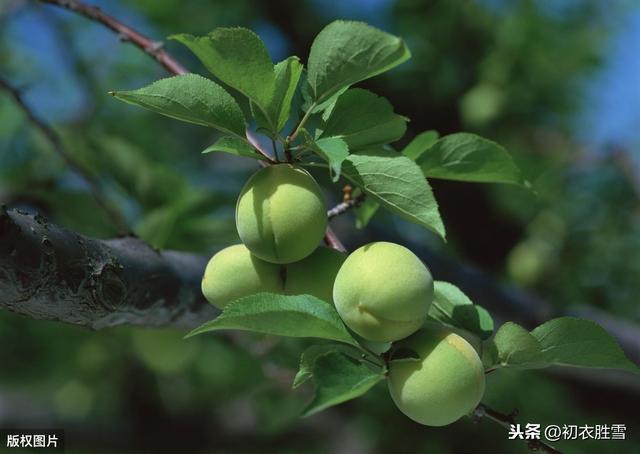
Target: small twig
125 33
374 357
56 143
365 357
332 240
146 44
345 206
299 126
506 421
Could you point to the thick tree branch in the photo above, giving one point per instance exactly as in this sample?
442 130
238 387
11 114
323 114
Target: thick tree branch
125 33
56 143
47 272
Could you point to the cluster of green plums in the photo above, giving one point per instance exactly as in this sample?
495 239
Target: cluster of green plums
382 291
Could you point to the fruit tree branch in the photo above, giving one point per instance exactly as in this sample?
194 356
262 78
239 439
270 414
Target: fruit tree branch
144 43
56 143
48 272
125 33
332 240
345 206
506 421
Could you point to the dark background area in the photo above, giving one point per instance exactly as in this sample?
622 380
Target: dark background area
556 83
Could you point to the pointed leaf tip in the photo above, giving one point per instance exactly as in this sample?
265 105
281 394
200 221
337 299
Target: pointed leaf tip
191 98
347 52
281 315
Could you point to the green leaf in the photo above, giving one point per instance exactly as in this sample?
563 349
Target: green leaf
281 315
516 348
339 378
468 157
308 102
235 146
309 356
451 306
334 150
190 98
365 212
346 52
287 74
571 341
397 183
564 341
419 144
363 119
239 58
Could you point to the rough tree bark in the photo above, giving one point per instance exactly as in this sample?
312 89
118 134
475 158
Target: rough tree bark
48 272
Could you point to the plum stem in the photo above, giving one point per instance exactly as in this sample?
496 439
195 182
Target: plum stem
506 421
299 126
372 357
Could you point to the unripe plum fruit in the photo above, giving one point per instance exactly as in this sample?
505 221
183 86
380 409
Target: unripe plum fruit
383 292
281 215
234 272
315 275
444 384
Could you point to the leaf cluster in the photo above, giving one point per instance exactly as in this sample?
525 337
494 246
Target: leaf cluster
314 117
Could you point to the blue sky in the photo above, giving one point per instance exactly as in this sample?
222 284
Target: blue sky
612 112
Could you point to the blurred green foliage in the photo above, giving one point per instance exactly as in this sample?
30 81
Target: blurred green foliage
512 73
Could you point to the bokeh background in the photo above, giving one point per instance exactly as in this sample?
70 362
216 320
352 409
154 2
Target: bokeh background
557 83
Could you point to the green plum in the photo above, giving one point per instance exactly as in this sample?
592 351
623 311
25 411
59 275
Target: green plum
281 215
383 292
446 382
234 272
315 274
